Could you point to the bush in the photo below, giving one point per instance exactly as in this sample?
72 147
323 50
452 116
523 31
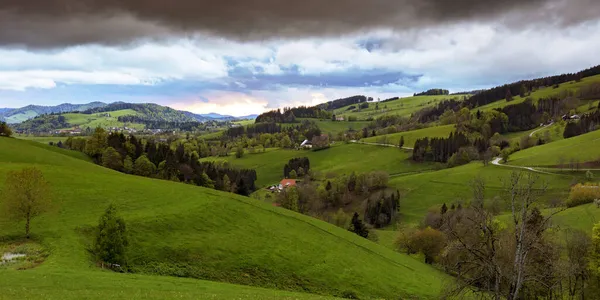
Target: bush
110 245
583 194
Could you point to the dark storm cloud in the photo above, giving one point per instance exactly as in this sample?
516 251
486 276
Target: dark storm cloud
58 23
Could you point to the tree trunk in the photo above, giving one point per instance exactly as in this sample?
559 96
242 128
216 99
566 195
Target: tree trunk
27 225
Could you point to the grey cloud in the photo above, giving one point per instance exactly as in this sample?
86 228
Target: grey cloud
59 23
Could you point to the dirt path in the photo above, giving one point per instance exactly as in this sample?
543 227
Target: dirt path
497 160
533 132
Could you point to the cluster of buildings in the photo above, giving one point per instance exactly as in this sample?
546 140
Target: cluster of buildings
283 184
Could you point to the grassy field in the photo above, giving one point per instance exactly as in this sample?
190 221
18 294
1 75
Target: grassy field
18 118
41 139
547 92
184 230
244 122
429 190
99 120
339 159
333 128
583 148
402 106
410 137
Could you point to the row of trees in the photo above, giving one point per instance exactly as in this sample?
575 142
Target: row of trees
339 103
176 161
439 149
433 92
289 115
501 92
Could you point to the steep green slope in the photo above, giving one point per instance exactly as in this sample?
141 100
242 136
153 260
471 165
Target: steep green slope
340 159
410 137
544 93
401 106
184 230
429 190
582 148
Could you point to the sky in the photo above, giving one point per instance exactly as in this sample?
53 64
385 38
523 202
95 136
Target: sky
240 57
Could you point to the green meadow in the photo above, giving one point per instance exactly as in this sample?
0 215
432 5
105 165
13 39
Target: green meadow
339 159
410 137
582 148
101 119
180 230
430 190
401 106
547 92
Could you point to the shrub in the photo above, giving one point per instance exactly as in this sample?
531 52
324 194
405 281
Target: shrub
111 243
583 194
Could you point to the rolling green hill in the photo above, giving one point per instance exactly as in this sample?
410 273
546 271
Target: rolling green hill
107 119
184 230
411 136
340 158
546 92
582 148
429 190
401 106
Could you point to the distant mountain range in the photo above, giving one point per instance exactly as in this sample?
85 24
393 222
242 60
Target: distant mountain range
19 115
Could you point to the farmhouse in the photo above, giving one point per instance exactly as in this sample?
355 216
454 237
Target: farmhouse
306 144
285 183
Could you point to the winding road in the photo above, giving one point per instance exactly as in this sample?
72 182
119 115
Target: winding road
533 132
497 160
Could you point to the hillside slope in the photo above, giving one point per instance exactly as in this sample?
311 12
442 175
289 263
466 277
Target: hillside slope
183 230
582 148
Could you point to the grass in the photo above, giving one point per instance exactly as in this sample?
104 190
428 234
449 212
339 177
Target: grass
339 159
401 106
582 217
583 148
244 122
410 137
184 230
99 120
18 118
41 139
545 93
429 190
334 127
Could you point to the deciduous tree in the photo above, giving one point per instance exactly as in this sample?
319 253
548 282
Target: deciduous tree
26 195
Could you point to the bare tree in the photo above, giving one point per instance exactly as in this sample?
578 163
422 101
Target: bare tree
490 259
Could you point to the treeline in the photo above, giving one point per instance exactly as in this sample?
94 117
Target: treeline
151 111
148 158
587 123
43 123
305 130
300 166
335 104
161 124
439 149
427 115
500 92
433 92
289 115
